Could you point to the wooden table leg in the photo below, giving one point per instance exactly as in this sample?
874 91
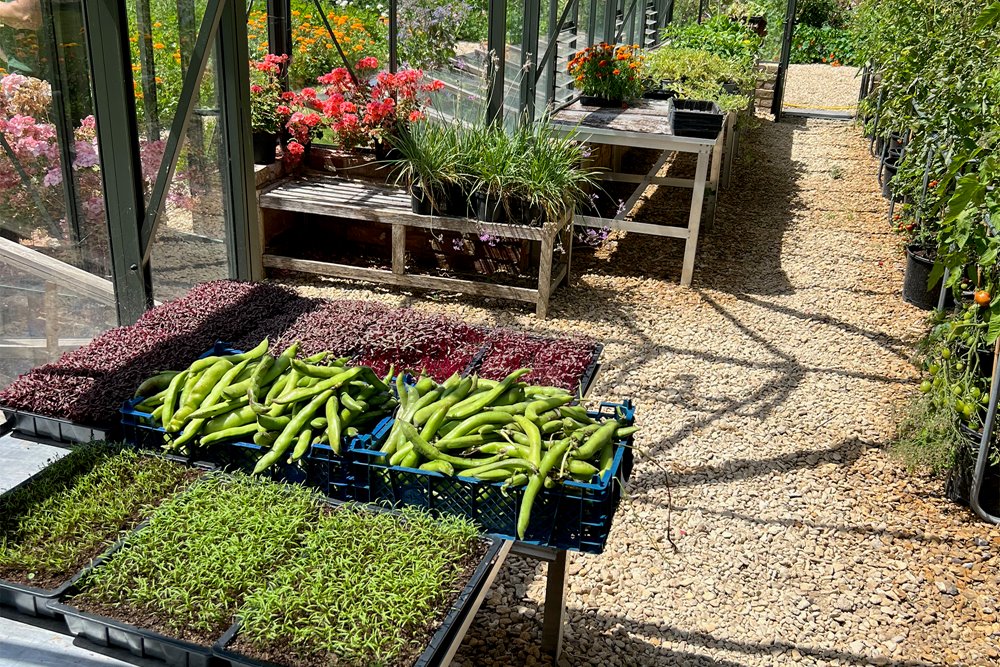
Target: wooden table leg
569 251
694 220
399 249
555 606
727 172
545 274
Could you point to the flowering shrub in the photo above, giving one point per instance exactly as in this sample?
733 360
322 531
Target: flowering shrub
834 46
376 106
24 121
313 52
611 72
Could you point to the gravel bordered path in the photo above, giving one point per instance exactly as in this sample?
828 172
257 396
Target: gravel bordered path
768 393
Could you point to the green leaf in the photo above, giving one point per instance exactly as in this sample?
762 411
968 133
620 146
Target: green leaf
989 16
993 332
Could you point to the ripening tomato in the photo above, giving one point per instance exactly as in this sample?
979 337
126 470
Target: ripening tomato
982 297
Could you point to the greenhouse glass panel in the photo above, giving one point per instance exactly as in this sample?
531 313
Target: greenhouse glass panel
55 288
190 241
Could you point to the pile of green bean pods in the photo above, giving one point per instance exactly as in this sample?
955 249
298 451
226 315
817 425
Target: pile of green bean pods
283 403
500 431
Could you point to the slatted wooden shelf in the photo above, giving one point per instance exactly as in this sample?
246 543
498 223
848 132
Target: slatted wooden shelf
320 194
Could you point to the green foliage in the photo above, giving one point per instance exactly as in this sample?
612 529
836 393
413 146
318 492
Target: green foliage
77 507
204 551
928 437
822 13
721 35
939 65
824 44
365 587
698 74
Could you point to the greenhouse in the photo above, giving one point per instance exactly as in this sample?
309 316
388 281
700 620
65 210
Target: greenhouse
499 332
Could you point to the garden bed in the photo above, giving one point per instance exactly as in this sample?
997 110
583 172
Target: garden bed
58 522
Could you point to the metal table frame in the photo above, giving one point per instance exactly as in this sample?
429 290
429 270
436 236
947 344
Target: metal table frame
652 130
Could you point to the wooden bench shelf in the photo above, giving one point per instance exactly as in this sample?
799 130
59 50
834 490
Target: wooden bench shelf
324 195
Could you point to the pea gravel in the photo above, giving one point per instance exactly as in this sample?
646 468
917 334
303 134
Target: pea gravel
769 393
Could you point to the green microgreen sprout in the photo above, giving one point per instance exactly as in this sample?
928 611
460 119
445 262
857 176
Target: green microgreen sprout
77 507
366 588
201 554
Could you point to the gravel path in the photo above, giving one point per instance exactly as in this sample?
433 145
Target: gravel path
822 86
767 395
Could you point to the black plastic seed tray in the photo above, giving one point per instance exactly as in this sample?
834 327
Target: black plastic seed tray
449 632
31 600
139 642
700 119
34 601
52 430
574 515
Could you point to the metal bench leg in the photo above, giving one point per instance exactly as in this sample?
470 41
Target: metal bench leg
555 606
694 219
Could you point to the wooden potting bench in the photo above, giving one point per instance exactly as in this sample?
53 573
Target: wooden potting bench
321 194
646 124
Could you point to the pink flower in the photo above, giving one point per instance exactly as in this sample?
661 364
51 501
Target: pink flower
295 148
255 89
416 115
368 62
52 177
282 110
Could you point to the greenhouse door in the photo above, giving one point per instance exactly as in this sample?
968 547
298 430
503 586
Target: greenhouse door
171 103
818 90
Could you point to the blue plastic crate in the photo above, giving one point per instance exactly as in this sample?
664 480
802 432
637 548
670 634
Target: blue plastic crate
320 468
575 515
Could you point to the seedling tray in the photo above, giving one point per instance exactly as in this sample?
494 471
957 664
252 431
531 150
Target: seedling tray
31 600
34 601
695 118
585 380
140 643
575 515
448 633
52 430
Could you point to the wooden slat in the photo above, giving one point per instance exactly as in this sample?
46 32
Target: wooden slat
632 226
406 280
67 276
330 196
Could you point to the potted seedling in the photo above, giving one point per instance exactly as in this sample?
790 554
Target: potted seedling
428 164
268 113
552 178
493 160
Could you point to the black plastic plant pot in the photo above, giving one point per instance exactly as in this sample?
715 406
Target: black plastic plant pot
700 119
489 208
664 92
601 102
958 483
457 202
420 203
524 212
265 147
137 641
758 24
442 641
918 272
54 431
888 173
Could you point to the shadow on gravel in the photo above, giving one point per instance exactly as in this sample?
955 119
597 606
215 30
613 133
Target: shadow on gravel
741 251
862 531
637 647
844 453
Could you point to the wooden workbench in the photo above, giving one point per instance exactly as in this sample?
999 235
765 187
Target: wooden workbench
646 124
325 195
